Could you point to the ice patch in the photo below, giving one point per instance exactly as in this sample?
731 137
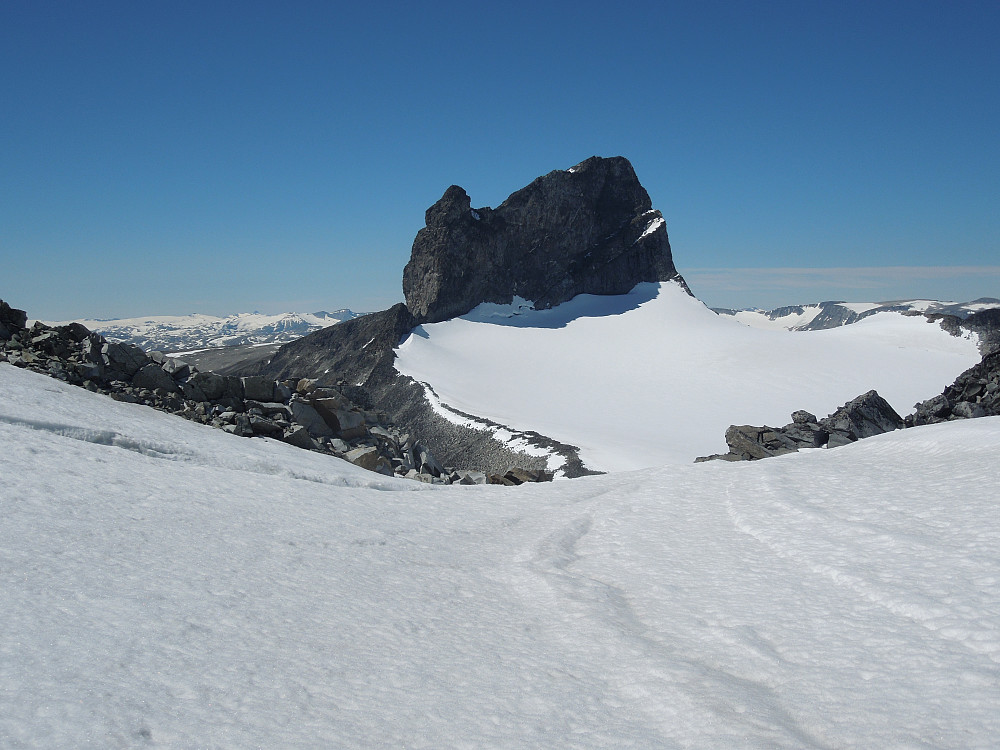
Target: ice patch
652 227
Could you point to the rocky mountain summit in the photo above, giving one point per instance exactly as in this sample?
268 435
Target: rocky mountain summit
590 229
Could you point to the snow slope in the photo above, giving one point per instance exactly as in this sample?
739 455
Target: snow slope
655 376
163 584
175 333
767 319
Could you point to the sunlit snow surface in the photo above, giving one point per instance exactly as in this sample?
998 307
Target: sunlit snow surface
654 376
163 584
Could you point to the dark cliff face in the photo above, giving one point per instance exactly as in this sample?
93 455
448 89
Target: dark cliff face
587 230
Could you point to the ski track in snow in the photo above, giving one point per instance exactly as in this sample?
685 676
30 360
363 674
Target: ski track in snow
210 597
834 553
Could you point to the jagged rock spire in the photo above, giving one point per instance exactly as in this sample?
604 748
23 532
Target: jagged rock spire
588 229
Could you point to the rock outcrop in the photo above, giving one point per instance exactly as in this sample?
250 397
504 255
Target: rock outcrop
590 229
975 393
984 324
868 414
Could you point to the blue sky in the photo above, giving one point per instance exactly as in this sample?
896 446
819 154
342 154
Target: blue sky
219 157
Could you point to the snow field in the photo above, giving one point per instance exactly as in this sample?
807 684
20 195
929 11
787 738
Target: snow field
656 377
164 584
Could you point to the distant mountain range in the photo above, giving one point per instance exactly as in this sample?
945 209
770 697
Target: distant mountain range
184 333
815 317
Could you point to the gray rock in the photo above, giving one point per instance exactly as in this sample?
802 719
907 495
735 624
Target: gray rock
126 357
212 385
152 376
178 369
309 418
751 443
470 477
868 414
426 462
328 408
305 386
264 426
975 393
258 388
528 475
192 392
232 389
299 436
350 424
272 409
806 434
367 457
838 439
967 410
864 416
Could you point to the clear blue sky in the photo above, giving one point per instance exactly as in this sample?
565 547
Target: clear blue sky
220 157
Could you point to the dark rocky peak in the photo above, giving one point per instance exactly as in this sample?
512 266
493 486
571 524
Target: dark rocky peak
589 229
454 206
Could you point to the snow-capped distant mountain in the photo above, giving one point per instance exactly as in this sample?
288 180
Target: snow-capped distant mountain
175 333
823 315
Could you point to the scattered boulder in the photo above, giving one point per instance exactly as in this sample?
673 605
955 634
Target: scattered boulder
211 385
299 437
307 416
127 358
153 376
257 388
518 476
367 457
864 416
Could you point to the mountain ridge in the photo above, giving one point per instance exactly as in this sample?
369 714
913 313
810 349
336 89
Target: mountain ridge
179 333
818 316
